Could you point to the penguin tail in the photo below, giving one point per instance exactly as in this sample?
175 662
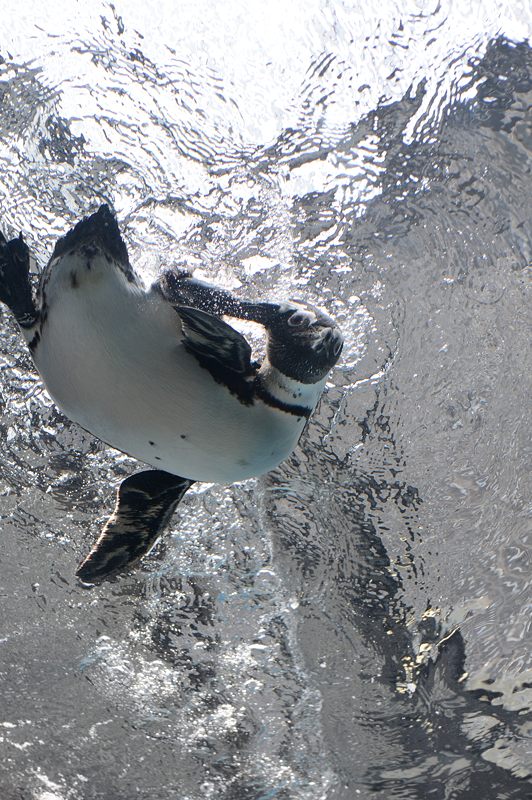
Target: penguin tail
99 229
15 286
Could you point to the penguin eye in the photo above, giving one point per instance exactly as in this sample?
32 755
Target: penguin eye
299 320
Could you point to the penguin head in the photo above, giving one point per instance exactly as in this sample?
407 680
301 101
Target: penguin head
304 343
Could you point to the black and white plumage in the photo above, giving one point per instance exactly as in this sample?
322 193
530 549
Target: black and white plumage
158 374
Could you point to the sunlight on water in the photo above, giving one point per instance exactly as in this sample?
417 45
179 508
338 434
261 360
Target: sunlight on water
356 623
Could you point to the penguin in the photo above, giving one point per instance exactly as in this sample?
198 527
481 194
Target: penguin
159 374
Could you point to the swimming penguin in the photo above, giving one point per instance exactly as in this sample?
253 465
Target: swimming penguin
160 375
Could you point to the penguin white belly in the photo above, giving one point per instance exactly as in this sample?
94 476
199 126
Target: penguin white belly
112 358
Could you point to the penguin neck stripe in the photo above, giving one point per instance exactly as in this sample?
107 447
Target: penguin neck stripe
263 394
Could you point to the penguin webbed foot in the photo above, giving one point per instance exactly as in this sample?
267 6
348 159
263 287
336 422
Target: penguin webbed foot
144 505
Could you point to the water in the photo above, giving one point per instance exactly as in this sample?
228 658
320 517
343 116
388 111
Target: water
305 635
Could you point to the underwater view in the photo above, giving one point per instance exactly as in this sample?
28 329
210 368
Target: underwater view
355 623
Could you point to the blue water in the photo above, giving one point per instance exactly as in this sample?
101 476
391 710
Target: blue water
357 623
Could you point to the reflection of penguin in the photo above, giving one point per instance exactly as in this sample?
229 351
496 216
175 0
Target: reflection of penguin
469 725
159 375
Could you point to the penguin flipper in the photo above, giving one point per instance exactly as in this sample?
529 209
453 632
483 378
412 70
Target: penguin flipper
144 504
213 342
15 286
180 289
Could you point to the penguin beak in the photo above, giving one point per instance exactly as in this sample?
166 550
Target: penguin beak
304 343
329 343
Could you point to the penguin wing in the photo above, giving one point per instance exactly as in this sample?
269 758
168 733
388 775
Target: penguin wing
15 284
144 504
213 342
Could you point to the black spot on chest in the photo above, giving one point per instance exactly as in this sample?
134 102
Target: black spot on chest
74 280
